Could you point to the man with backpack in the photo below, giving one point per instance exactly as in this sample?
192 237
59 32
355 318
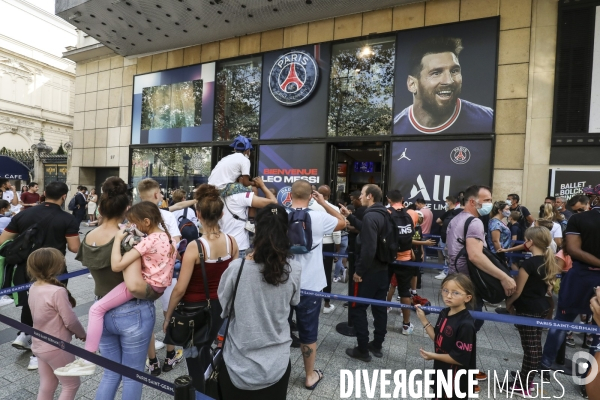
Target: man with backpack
371 280
307 229
49 226
452 210
526 219
469 248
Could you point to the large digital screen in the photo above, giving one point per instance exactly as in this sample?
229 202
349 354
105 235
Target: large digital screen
280 165
458 165
446 79
174 106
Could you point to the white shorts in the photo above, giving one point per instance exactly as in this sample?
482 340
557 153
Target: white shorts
164 299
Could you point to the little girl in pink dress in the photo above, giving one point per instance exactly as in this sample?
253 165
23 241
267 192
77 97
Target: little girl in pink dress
155 274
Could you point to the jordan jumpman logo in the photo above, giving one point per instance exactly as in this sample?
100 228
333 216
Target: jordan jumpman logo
403 155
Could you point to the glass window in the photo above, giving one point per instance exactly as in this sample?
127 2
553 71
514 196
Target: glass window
237 103
173 167
361 88
178 105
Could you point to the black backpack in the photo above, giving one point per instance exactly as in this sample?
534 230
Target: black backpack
300 231
446 222
73 203
387 244
187 228
17 251
406 228
486 286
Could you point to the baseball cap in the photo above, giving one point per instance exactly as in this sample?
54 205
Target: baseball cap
241 143
595 191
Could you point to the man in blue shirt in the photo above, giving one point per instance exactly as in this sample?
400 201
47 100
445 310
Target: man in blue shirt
435 81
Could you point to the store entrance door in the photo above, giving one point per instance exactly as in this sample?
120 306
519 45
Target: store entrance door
353 166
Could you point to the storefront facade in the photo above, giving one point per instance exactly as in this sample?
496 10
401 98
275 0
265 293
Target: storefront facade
344 101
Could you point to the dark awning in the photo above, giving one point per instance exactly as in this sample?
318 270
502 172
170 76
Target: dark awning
13 169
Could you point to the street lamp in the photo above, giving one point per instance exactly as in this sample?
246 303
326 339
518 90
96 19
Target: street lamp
41 148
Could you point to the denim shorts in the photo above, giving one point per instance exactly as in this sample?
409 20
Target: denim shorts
307 318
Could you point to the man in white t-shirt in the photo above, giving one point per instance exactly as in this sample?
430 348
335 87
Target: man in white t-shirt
149 190
233 166
235 213
313 275
9 193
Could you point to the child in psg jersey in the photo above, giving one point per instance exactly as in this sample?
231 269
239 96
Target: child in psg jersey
453 334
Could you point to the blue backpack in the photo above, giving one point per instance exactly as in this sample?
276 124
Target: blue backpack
300 231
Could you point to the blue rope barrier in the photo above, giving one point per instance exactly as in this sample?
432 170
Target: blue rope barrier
486 316
25 286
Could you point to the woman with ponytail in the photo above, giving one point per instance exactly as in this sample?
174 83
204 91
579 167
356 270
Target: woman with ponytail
257 347
52 310
536 278
218 250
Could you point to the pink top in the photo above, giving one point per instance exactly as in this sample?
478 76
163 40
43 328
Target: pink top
427 220
567 259
157 266
52 313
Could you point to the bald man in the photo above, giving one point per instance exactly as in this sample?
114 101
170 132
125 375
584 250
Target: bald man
313 275
331 244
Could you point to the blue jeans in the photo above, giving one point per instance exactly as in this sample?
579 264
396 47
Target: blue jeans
556 337
445 253
339 267
125 339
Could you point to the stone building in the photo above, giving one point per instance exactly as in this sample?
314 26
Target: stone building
137 51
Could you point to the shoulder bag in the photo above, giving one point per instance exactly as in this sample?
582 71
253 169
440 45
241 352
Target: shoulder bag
212 388
191 325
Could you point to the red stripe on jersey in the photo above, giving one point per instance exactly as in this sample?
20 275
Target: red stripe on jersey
437 129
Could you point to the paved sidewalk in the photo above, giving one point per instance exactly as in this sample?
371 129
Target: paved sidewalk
498 349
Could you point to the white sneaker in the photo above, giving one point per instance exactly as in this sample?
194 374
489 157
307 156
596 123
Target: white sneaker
409 330
389 309
90 276
22 342
79 367
328 310
336 280
6 301
158 345
33 363
441 276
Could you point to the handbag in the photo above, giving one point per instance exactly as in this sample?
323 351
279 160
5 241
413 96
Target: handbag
211 386
191 325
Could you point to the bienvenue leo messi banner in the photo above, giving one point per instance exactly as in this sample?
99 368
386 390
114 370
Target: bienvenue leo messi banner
569 182
282 165
294 101
174 106
446 79
432 170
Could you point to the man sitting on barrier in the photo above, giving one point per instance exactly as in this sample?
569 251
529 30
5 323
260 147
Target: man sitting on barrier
371 276
478 201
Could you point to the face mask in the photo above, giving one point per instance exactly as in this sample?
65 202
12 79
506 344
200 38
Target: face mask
159 202
559 208
506 213
311 202
446 207
509 201
485 209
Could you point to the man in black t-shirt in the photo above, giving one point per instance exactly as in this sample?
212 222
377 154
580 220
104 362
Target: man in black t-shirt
61 231
526 219
582 237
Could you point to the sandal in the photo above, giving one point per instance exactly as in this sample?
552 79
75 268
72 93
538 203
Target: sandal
320 373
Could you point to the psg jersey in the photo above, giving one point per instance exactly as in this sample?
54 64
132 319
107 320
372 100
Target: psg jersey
467 118
455 336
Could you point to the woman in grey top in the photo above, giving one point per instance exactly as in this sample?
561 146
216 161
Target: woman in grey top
257 348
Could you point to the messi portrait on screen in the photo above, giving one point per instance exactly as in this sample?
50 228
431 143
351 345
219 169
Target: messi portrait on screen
445 79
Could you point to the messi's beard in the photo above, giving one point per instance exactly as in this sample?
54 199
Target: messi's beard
439 113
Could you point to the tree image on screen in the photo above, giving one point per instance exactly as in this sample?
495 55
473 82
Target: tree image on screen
237 103
178 105
361 89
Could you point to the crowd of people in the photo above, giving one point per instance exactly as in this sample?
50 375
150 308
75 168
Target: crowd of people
237 257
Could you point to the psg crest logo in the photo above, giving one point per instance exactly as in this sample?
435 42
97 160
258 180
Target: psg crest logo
284 196
293 78
460 155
